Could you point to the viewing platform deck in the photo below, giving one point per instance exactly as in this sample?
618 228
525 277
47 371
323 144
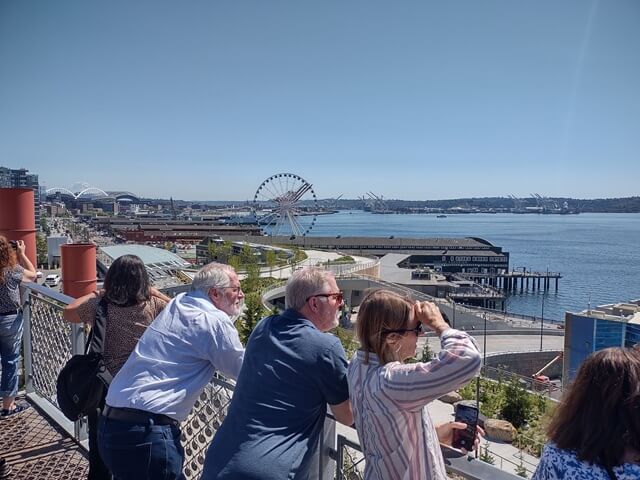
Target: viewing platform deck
41 443
37 448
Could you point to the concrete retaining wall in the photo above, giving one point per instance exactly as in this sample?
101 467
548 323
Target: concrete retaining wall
527 363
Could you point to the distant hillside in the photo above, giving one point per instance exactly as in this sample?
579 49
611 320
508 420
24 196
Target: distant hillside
599 205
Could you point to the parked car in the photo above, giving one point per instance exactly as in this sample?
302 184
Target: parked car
52 280
39 274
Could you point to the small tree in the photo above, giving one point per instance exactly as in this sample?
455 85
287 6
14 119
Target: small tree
485 455
213 250
235 262
253 312
271 259
517 404
252 285
427 354
41 249
44 226
521 471
246 255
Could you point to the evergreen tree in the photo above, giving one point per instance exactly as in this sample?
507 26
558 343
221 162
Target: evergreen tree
517 404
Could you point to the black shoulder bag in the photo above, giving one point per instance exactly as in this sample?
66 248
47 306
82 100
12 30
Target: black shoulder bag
84 380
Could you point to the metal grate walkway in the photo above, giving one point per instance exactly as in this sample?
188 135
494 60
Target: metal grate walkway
37 449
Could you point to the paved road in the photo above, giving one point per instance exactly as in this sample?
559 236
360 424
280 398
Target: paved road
507 343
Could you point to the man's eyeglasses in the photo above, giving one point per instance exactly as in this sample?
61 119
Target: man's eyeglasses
234 289
338 296
417 330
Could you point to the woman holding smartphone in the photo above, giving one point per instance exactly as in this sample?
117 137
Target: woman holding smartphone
15 268
388 397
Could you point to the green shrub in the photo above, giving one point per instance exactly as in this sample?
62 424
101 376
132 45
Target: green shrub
348 340
517 404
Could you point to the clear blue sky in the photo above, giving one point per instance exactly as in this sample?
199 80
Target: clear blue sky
408 99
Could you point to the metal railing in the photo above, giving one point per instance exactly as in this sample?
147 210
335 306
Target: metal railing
506 316
49 342
350 463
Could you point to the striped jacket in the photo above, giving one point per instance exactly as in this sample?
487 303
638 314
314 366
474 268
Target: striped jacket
389 402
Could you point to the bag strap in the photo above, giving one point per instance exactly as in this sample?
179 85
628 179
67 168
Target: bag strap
95 342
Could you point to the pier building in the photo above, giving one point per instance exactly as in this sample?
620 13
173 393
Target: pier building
611 325
158 229
448 255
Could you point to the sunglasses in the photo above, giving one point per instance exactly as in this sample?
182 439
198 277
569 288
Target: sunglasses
417 330
338 296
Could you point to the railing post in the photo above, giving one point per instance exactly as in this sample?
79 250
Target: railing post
80 430
325 448
26 342
339 459
77 338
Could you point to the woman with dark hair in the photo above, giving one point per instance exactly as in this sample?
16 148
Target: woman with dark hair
132 304
15 268
595 432
389 397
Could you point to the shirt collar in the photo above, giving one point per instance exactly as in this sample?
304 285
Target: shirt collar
201 299
373 358
294 315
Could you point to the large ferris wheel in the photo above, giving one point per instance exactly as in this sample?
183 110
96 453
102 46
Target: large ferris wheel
285 204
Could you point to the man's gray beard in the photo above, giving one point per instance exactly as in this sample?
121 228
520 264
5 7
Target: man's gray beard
236 316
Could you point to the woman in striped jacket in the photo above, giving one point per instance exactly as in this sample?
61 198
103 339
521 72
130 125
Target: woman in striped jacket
389 397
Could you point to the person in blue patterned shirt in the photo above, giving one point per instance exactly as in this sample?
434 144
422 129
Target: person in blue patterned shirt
595 432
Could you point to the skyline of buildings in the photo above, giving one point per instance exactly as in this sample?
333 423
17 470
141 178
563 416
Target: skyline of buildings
21 178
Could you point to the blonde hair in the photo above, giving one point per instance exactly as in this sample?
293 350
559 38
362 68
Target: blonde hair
381 310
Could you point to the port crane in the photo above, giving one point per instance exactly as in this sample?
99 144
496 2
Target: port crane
377 204
543 380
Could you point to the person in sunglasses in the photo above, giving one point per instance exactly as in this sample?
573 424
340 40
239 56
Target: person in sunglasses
389 397
292 369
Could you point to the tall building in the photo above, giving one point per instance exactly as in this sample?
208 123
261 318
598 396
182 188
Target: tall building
612 325
21 178
5 178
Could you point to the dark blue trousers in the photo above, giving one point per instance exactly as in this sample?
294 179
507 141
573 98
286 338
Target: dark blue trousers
135 451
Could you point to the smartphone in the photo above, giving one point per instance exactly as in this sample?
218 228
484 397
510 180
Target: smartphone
14 244
466 438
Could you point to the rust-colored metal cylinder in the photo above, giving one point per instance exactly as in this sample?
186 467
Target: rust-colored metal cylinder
78 268
17 218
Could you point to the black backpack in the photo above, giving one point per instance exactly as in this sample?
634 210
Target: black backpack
84 380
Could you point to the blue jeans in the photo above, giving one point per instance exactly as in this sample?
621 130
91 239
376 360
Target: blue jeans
10 342
140 452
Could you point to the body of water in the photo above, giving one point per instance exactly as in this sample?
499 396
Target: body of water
597 254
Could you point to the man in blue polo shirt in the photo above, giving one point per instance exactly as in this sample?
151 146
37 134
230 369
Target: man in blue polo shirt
291 371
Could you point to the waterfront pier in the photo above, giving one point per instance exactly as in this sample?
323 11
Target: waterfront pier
517 280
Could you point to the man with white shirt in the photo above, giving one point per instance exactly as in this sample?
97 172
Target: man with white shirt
139 434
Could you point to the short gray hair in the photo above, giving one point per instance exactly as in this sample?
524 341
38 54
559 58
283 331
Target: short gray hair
305 283
212 275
